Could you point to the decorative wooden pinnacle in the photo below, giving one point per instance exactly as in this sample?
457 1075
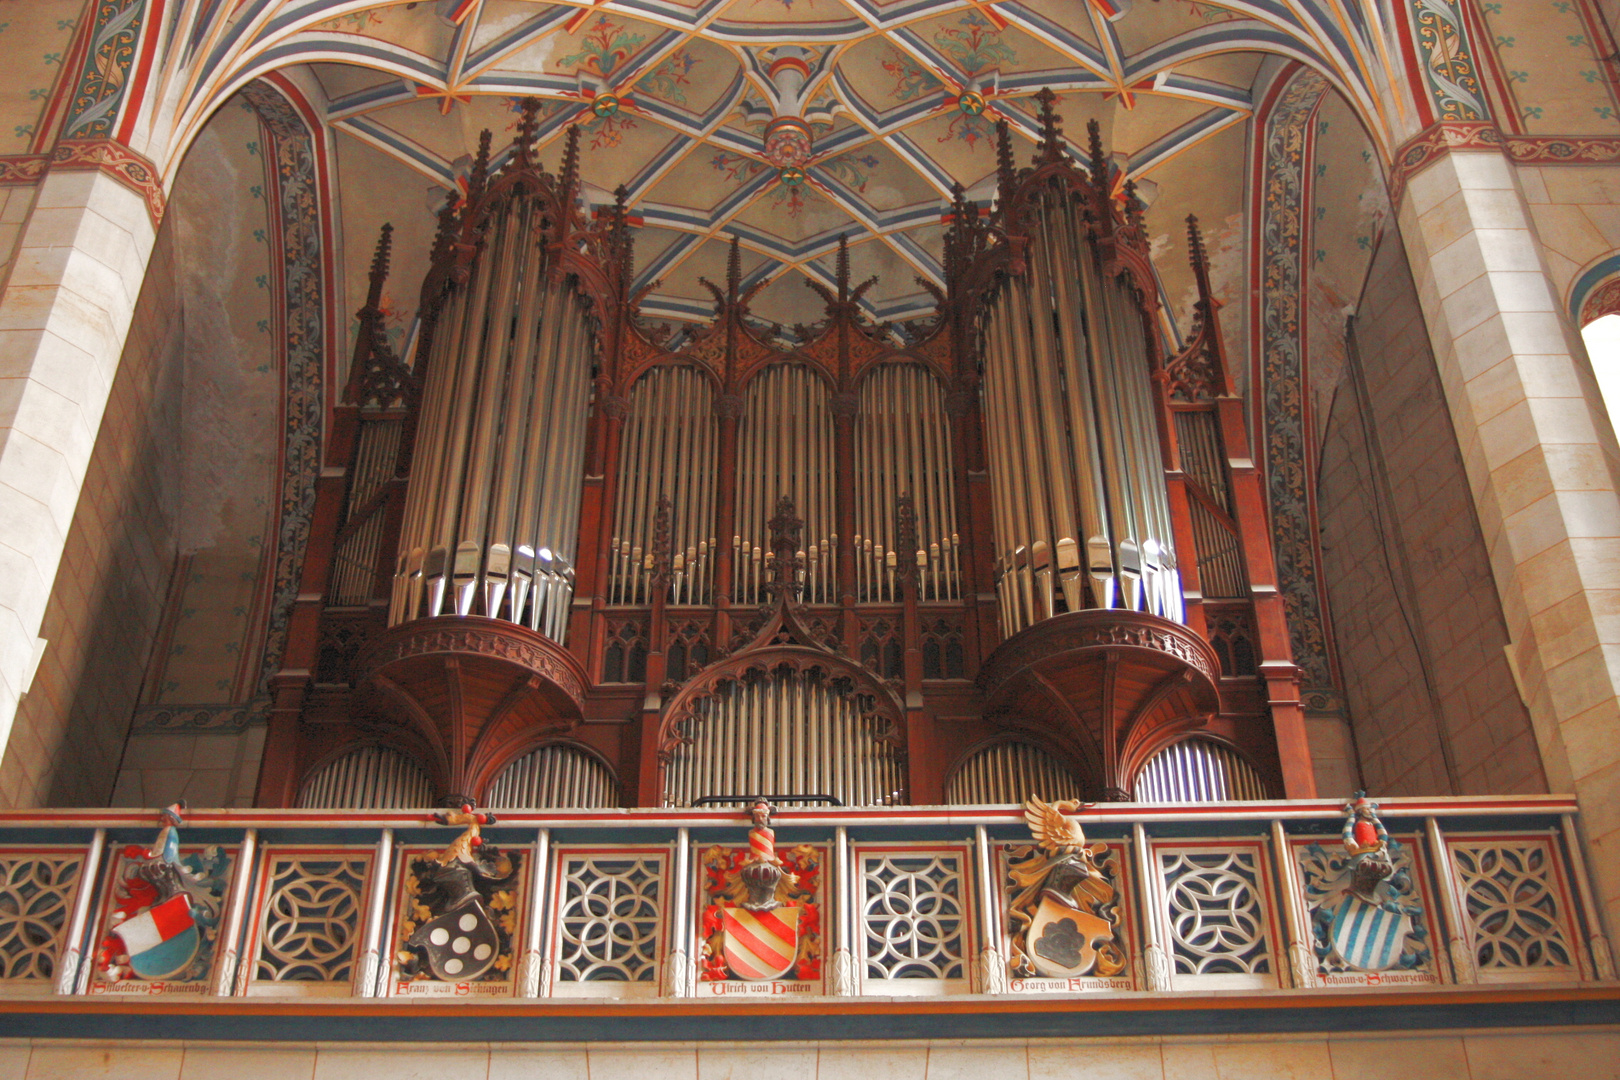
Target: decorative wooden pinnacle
905 531
1198 256
570 163
1051 147
478 179
841 268
379 265
734 269
1195 244
1006 171
1099 162
786 530
528 129
623 246
447 225
1133 205
662 543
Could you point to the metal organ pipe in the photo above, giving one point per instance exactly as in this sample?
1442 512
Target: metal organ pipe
901 446
789 734
669 449
492 515
785 447
1010 772
1080 511
354 567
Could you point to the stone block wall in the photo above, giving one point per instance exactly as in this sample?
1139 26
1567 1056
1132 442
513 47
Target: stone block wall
1415 612
109 592
1481 1055
205 769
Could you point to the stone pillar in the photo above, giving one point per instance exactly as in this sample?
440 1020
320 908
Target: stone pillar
1543 466
63 318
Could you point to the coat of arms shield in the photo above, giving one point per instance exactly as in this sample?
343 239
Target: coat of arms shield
760 944
1367 936
1063 940
162 940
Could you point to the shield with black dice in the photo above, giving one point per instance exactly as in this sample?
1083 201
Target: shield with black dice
1063 940
760 945
460 944
1368 937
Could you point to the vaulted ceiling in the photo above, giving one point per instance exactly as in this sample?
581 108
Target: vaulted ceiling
788 123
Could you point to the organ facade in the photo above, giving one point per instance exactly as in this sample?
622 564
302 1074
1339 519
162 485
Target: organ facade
956 559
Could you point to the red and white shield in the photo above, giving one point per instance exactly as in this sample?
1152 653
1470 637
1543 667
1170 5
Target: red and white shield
760 945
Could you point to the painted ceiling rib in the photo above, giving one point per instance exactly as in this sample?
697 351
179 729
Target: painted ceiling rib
398 147
518 38
461 42
1187 135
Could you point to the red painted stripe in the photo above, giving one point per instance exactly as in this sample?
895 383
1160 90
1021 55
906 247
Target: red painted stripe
151 30
761 948
769 921
740 963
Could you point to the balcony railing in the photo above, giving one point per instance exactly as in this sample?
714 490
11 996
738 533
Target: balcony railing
886 903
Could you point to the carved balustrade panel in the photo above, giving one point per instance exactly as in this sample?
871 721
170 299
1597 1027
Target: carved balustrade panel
609 922
1518 907
307 926
914 919
37 891
1218 911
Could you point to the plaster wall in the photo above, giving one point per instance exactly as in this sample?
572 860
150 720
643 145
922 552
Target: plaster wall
1415 613
1590 1054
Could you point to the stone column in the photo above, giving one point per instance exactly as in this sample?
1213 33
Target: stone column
63 318
1543 466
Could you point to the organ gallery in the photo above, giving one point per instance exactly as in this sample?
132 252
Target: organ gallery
565 555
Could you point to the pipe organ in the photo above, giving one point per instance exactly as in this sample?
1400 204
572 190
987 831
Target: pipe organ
786 735
1018 547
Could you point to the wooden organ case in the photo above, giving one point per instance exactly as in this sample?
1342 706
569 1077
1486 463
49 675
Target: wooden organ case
1014 550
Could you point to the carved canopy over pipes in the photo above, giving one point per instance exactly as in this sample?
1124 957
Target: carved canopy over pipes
1114 686
471 691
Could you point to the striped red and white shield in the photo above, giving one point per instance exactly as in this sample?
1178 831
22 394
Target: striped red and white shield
760 944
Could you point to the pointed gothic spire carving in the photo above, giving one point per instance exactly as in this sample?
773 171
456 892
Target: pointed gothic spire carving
1050 148
478 178
379 266
1099 160
786 530
570 165
1006 171
527 130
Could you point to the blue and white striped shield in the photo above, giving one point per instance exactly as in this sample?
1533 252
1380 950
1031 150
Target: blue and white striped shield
1367 936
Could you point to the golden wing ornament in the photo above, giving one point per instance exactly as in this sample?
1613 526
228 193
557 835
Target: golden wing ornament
1050 828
